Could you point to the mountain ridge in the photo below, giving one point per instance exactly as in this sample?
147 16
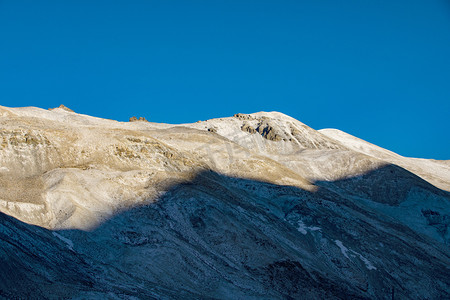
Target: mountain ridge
247 206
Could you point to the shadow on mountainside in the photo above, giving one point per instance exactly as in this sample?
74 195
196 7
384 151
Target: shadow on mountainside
224 237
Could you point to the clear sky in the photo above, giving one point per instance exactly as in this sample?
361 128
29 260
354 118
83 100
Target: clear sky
379 70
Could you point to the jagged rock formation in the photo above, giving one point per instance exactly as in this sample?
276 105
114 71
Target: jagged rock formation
63 107
248 128
134 119
249 206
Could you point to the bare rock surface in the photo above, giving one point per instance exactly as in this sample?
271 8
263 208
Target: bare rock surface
135 119
63 107
252 206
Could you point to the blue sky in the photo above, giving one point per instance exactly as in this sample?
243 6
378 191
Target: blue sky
379 70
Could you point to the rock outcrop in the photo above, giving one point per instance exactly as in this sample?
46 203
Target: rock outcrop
248 128
141 119
63 107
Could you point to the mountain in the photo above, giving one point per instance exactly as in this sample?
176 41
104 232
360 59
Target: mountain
251 206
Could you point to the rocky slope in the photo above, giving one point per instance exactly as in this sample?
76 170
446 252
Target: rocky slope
249 206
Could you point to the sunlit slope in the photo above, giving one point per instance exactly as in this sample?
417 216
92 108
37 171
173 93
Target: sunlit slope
435 171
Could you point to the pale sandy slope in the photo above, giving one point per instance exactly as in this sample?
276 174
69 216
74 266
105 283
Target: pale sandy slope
434 171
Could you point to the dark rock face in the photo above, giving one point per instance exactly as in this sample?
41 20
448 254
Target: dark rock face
263 128
268 132
248 128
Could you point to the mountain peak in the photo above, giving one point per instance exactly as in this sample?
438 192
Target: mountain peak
251 206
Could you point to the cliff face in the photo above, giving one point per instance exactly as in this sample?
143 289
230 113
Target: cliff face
247 206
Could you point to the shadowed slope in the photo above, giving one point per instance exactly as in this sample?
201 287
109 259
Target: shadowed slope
228 237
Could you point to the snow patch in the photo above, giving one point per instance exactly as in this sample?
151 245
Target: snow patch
368 264
303 229
65 240
345 251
